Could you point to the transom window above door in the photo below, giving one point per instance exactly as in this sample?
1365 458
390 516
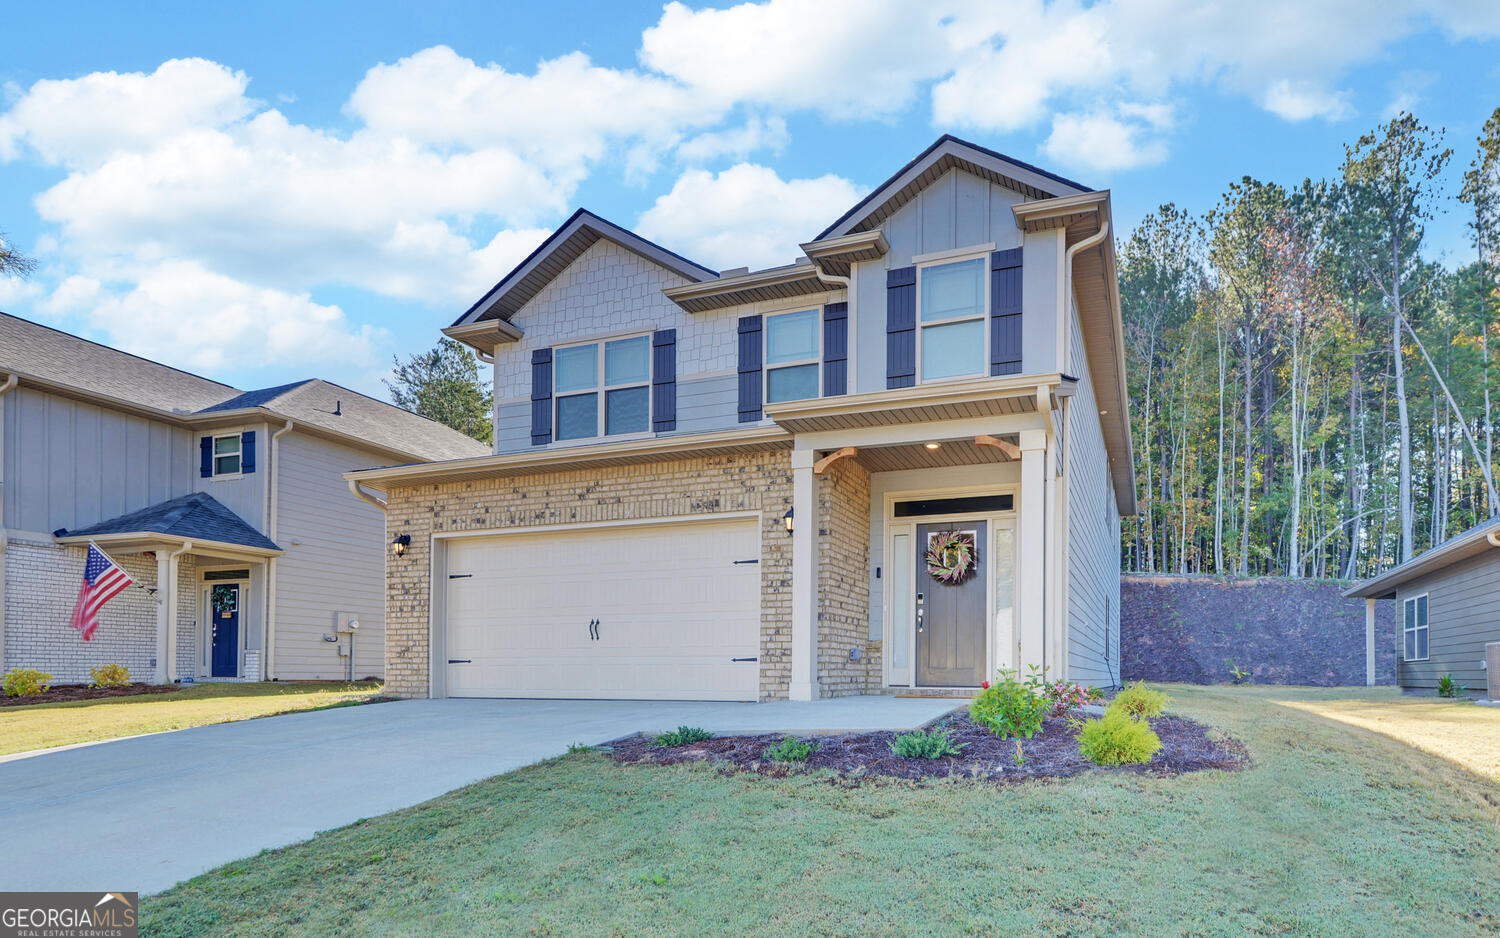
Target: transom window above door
792 356
951 319
603 388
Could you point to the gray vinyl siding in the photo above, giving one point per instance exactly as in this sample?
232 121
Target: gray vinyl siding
1463 612
956 211
69 464
706 404
1093 532
512 426
334 562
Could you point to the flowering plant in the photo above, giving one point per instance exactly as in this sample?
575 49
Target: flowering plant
1066 698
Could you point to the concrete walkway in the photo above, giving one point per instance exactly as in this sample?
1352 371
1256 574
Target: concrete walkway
142 814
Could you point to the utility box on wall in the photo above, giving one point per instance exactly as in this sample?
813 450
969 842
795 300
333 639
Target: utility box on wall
346 622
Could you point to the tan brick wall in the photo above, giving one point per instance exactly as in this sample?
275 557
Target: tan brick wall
677 488
843 578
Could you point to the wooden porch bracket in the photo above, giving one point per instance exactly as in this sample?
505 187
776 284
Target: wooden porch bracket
821 466
1011 450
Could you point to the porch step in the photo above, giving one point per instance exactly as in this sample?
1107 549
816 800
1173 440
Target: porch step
954 693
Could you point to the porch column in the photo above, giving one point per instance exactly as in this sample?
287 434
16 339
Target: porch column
163 630
1370 642
804 679
1031 550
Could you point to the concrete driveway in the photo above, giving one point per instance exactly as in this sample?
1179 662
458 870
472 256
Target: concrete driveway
142 814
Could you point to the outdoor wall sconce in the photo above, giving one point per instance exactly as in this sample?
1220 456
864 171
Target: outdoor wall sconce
786 520
399 545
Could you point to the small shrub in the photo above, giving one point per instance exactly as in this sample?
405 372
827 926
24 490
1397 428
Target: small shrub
790 749
579 747
1009 706
1065 697
921 744
1448 688
1020 757
26 682
1237 674
1138 702
681 737
1117 739
110 675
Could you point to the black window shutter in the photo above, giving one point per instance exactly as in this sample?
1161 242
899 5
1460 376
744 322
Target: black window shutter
901 327
1005 312
664 380
206 457
835 349
750 378
247 451
541 397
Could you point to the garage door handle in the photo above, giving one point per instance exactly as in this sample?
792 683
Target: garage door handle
460 660
744 659
594 629
738 562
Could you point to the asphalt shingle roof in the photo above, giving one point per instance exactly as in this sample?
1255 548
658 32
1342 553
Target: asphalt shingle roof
198 516
61 358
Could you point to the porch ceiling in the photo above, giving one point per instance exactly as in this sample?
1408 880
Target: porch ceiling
983 397
917 456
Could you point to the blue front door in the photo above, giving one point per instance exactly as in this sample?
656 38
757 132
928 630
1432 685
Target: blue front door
225 609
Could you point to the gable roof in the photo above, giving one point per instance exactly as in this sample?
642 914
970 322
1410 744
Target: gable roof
949 152
561 248
195 517
1461 546
64 363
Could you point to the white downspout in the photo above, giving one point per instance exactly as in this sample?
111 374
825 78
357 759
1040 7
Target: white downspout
364 496
271 524
6 388
169 602
1067 323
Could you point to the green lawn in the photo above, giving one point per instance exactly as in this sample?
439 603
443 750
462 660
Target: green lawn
82 721
1335 830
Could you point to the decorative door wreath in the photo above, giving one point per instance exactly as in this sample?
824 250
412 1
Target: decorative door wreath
950 556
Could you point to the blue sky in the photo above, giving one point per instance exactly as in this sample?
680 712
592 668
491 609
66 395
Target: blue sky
270 192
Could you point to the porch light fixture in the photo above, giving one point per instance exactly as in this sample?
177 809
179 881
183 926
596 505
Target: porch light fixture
786 520
399 545
933 445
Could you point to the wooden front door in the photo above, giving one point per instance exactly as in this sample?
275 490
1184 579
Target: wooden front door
950 616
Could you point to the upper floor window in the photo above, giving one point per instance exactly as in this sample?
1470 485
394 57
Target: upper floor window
951 319
227 455
609 380
1414 628
792 356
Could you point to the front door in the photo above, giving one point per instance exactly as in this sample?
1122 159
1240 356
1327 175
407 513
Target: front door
951 613
225 603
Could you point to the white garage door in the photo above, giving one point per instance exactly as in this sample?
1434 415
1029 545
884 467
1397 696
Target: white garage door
655 611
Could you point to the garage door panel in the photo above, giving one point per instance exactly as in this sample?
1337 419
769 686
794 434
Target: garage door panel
673 609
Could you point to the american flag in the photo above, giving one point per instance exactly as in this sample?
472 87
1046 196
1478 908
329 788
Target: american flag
102 581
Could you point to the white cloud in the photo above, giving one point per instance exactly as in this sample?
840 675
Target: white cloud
1300 101
745 216
14 291
80 122
1406 92
755 134
1103 142
179 312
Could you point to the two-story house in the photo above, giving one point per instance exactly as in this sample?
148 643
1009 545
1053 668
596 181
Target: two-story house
228 508
898 462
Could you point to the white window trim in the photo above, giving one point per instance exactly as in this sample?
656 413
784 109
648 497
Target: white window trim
765 347
601 390
214 474
1424 627
967 254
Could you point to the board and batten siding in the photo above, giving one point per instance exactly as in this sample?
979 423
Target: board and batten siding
334 561
1463 613
70 464
958 210
1093 534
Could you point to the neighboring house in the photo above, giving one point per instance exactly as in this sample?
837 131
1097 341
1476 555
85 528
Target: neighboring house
1447 609
722 484
229 505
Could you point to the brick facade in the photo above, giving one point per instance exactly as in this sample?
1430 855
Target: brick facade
681 487
42 580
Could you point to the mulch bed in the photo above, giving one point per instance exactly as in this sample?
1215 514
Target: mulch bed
61 692
1053 753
